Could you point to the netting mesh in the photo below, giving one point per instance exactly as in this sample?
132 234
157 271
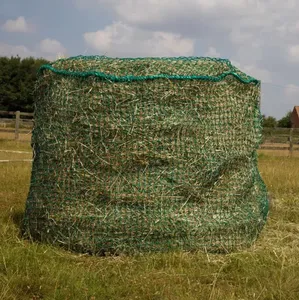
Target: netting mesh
146 154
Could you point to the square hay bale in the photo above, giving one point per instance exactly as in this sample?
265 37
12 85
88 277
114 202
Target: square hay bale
146 154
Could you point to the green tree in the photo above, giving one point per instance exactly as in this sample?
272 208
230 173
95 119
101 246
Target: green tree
17 80
269 122
285 122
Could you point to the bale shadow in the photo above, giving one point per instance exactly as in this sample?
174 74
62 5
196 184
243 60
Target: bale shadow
17 218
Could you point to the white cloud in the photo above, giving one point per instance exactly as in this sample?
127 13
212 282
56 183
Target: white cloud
213 14
259 73
287 28
262 25
254 71
212 52
292 90
120 39
149 11
18 25
293 53
18 50
47 48
247 45
239 36
249 13
52 46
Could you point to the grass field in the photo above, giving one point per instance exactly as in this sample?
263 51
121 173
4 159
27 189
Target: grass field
269 270
24 135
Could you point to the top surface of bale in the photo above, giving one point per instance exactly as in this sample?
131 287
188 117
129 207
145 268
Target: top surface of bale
130 69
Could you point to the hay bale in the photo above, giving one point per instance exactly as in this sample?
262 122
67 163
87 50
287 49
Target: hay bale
146 154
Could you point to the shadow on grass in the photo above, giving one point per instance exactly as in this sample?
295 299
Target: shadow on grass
17 218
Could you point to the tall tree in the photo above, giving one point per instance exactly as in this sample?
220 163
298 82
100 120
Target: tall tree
285 122
269 122
17 80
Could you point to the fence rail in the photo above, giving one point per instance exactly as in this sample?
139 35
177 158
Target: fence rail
281 139
12 113
17 121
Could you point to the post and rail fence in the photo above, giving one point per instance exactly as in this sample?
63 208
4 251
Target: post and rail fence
281 139
15 122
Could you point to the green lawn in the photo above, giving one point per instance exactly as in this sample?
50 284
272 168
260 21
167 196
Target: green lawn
269 270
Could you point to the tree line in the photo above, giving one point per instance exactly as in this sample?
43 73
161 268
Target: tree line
271 122
17 81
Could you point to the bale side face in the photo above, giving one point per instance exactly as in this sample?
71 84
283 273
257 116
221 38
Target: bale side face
148 165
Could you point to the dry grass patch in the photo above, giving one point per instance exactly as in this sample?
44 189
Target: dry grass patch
24 136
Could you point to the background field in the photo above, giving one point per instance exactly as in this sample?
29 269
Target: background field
269 270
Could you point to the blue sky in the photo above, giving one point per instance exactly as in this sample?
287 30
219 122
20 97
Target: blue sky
261 37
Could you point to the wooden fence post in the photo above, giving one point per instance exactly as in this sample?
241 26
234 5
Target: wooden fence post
291 141
17 127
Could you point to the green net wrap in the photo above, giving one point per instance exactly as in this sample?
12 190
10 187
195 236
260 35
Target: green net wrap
146 154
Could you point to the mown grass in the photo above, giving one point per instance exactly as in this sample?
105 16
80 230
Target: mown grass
269 270
24 136
14 145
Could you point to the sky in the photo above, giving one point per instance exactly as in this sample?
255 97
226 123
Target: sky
261 37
